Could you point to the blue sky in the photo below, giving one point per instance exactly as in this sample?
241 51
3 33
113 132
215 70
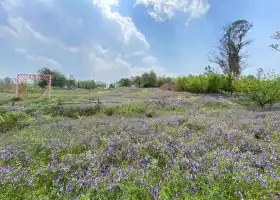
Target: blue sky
110 39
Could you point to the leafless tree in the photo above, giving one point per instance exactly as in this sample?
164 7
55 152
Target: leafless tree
276 37
229 56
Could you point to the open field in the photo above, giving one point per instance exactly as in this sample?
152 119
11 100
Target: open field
138 144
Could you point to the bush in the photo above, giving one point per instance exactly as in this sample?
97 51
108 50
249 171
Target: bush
89 85
72 111
163 80
262 91
208 83
11 119
125 82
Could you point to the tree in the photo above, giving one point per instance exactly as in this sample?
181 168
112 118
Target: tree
149 79
101 84
163 80
262 91
7 80
209 70
260 73
276 37
58 79
89 85
124 82
71 83
229 57
136 80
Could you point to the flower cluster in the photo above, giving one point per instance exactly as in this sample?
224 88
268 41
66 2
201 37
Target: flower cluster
216 154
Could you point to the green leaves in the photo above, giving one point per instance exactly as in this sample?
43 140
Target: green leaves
207 83
262 91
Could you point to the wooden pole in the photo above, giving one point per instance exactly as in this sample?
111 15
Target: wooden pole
17 85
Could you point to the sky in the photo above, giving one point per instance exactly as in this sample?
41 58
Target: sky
110 39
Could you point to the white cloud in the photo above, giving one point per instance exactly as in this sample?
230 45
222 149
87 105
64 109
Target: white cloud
164 10
132 37
42 60
105 4
20 30
6 32
149 60
23 29
100 53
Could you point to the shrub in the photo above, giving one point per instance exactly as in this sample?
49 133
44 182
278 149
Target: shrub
214 82
72 111
262 91
11 119
161 80
227 83
125 82
208 83
130 109
89 84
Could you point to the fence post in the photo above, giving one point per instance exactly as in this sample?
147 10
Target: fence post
98 108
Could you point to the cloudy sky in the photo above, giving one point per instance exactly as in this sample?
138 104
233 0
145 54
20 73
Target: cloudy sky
110 39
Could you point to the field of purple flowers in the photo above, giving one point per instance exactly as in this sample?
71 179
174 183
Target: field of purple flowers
201 148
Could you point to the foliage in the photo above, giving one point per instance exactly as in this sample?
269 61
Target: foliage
112 85
206 83
6 80
262 91
136 80
101 84
71 83
149 79
229 56
11 119
161 80
58 79
89 84
124 82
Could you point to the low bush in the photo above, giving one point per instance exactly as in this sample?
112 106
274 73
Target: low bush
11 119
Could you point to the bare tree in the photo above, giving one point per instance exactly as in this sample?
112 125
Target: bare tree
229 56
276 37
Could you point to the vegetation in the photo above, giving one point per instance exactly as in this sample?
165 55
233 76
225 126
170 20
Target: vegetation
262 91
146 80
90 141
222 152
58 79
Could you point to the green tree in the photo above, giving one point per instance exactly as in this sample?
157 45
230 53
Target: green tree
161 80
136 80
101 84
262 91
125 82
58 79
149 79
89 84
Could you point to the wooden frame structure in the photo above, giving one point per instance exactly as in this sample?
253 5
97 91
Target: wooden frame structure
23 77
